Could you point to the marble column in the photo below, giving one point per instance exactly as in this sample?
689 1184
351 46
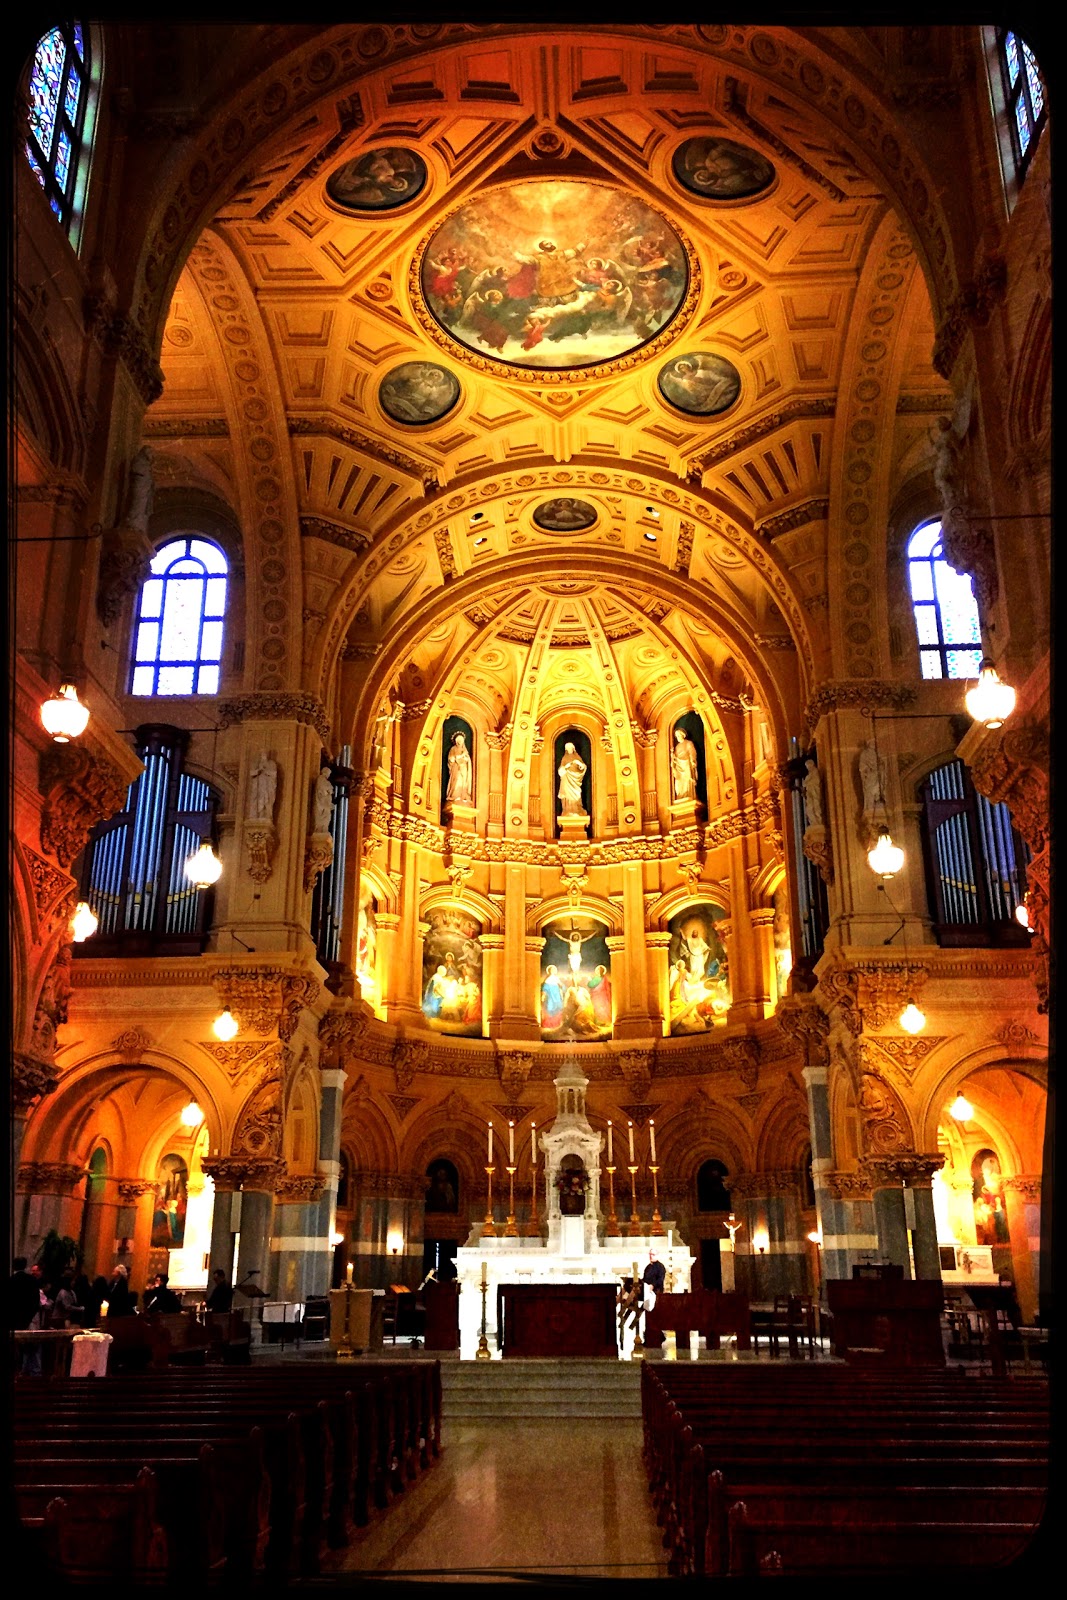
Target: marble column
46 1190
222 1228
1022 1202
918 1172
890 1216
829 1209
139 1196
299 1253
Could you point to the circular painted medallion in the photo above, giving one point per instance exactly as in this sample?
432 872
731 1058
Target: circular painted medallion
554 275
378 180
699 384
719 169
564 515
418 392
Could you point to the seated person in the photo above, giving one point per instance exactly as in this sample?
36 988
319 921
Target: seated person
160 1298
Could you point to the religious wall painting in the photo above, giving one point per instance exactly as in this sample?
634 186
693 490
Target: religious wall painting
573 768
457 764
575 999
720 169
783 941
367 944
442 1187
452 974
698 981
990 1215
170 1204
688 773
418 392
564 514
554 274
378 180
699 383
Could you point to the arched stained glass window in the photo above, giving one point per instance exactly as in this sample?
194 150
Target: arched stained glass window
178 649
946 616
59 96
1024 93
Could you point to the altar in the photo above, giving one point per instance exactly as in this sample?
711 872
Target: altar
581 1248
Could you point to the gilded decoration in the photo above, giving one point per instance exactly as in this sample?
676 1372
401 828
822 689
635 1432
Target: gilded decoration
80 790
554 281
721 169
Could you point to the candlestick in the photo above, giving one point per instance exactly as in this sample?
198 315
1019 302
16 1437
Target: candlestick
511 1141
533 1143
652 1138
638 1350
533 1227
611 1155
490 1157
510 1230
635 1220
482 1352
631 1128
613 1221
488 1230
657 1221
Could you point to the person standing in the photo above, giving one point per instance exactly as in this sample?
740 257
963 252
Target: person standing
120 1301
24 1299
220 1300
653 1277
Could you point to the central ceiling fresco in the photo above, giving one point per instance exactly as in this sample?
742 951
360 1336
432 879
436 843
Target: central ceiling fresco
551 274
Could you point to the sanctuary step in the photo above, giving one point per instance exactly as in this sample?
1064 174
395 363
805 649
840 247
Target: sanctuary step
472 1390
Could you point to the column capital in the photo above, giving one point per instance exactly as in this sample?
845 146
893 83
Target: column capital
299 1189
49 1177
229 1173
909 1167
815 1076
848 1185
133 1189
1027 1185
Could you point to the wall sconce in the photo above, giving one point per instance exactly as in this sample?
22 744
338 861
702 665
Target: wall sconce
884 857
761 1239
395 1243
64 716
224 1026
336 1238
1022 915
815 1237
84 922
991 700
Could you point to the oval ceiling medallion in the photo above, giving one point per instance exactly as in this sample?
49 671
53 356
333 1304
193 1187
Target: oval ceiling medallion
719 169
552 277
564 515
378 180
701 385
418 392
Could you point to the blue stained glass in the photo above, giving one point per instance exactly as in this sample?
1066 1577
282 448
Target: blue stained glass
63 160
926 624
931 664
1011 56
963 663
1033 78
79 43
56 207
45 80
208 681
1022 121
72 94
35 164
959 614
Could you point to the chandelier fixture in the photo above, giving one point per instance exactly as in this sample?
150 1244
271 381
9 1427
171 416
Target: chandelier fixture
961 1109
204 868
884 857
224 1026
84 922
911 1019
64 716
192 1115
991 700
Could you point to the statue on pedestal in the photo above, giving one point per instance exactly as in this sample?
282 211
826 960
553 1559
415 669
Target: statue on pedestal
571 771
684 767
460 789
262 789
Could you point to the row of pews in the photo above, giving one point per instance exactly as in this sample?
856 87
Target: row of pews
215 1476
821 1468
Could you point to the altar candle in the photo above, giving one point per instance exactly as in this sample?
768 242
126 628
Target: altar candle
533 1145
490 1161
631 1128
611 1158
484 1275
652 1138
351 1269
511 1144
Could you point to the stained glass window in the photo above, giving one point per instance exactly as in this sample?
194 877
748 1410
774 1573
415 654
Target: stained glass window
178 648
946 616
57 107
1024 93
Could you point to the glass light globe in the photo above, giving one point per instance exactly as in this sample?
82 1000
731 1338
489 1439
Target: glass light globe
961 1108
191 1115
64 716
1022 916
225 1025
84 922
204 868
885 858
990 701
911 1019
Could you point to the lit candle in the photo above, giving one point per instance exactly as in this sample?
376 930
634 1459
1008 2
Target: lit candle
103 1308
511 1144
351 1268
631 1128
533 1144
652 1138
490 1162
484 1275
611 1158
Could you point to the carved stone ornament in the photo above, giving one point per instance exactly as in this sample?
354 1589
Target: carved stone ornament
261 841
52 890
125 558
52 1005
133 1189
299 1189
908 1167
80 789
848 1185
49 1177
515 1068
299 990
816 846
120 337
636 1068
1016 1033
907 1054
859 694
31 1079
131 1044
339 1033
318 854
258 1134
234 1059
742 1056
750 1103
883 1125
253 995
1027 1185
639 1114
268 707
803 1020
409 1056
402 1104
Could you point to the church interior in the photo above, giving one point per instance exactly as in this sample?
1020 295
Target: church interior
530 656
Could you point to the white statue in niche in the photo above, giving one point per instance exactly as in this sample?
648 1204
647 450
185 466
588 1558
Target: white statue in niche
813 795
684 766
139 504
460 789
262 788
571 771
323 802
872 776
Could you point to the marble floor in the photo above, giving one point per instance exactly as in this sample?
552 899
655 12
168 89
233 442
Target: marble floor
559 1498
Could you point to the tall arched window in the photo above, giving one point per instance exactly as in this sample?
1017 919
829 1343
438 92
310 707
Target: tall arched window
178 649
59 100
946 616
1024 94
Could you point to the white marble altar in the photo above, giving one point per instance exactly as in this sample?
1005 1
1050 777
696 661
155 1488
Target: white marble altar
577 1249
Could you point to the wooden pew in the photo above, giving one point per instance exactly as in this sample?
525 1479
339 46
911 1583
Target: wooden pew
95 1532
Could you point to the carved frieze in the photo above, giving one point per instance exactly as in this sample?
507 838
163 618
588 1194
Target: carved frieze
907 1054
31 1079
1027 1185
910 1167
302 1188
133 1189
52 890
132 1043
80 789
848 1185
261 841
269 707
49 1177
860 694
802 1019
